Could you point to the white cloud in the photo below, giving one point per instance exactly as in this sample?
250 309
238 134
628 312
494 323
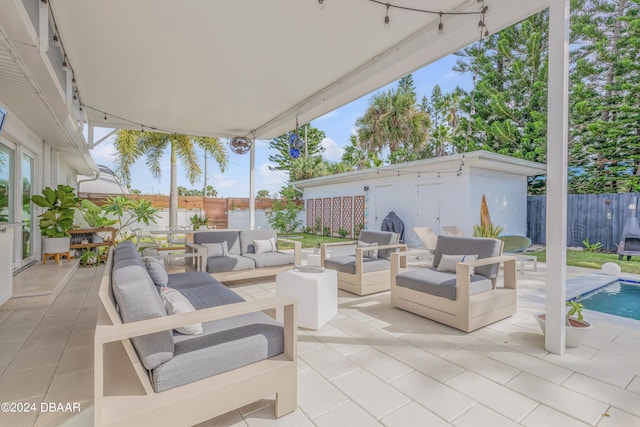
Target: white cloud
269 180
332 151
104 153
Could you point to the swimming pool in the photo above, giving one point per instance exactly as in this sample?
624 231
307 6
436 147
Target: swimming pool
620 298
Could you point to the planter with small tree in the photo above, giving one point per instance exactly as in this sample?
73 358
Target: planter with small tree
57 220
576 328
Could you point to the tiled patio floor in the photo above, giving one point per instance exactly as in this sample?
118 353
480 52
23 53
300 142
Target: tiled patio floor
370 365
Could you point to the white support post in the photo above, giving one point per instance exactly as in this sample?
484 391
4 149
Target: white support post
252 184
557 148
43 27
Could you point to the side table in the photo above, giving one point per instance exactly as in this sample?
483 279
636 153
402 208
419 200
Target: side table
316 295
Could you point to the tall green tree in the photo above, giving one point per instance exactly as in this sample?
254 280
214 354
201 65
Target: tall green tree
393 120
132 145
605 96
444 115
356 158
506 112
280 145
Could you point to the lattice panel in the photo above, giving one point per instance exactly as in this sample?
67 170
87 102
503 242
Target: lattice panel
336 214
358 210
317 216
326 213
347 214
310 213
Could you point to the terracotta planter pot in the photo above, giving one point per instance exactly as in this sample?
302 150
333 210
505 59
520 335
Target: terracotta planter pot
574 334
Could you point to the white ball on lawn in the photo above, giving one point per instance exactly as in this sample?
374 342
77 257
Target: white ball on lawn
611 268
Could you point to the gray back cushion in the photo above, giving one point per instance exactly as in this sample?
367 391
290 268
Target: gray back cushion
138 299
248 236
231 237
382 238
481 246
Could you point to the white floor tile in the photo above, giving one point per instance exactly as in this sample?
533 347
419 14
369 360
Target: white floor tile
602 372
411 415
328 362
425 362
316 395
349 415
533 365
614 417
615 396
379 364
543 416
492 369
479 415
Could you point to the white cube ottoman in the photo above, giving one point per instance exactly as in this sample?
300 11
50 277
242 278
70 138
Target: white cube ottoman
316 295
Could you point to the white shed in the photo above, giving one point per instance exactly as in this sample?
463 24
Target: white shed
433 192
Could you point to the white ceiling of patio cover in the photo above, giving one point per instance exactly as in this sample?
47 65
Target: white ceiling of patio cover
226 68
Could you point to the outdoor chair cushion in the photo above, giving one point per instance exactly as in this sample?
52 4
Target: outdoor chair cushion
156 270
271 259
440 284
347 264
229 263
231 237
248 236
138 299
202 290
265 246
481 246
382 238
175 303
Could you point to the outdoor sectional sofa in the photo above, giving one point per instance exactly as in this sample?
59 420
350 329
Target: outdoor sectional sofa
234 254
146 373
457 296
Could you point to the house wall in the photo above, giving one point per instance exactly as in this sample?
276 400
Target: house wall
437 200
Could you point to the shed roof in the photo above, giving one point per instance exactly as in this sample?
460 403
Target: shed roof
477 159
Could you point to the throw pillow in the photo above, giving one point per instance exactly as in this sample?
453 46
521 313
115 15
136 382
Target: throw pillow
265 246
215 250
174 302
158 274
448 262
373 253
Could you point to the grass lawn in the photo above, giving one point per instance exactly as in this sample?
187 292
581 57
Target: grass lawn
594 260
309 240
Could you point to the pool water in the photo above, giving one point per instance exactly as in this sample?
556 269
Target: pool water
621 298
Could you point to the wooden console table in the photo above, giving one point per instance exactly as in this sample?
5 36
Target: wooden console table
106 242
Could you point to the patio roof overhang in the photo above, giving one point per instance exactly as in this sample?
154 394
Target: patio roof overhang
236 67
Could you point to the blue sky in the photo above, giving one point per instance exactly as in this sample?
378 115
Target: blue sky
338 125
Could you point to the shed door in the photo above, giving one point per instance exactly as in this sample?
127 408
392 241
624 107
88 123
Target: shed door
428 213
384 203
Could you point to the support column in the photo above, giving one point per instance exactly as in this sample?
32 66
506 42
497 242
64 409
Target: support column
252 184
557 148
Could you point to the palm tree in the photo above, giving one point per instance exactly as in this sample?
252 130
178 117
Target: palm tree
132 145
393 121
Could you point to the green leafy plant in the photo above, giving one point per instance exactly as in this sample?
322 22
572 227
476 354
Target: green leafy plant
357 229
60 203
88 258
343 233
129 212
326 231
283 216
318 226
487 230
591 247
576 309
94 215
198 221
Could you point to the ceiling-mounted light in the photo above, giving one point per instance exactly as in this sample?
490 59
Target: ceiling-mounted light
321 4
56 41
387 21
105 117
441 26
65 65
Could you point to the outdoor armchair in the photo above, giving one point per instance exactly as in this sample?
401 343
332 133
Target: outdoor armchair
367 270
454 294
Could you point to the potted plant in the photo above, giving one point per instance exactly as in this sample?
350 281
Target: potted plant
57 219
88 258
577 328
197 221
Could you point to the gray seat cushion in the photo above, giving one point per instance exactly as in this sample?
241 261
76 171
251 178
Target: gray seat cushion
440 284
347 264
382 238
138 299
271 259
202 290
248 236
224 345
229 263
481 246
231 237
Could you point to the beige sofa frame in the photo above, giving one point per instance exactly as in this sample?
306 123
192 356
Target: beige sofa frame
467 312
362 283
123 394
225 276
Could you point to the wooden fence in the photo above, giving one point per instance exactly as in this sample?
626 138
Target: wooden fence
597 217
216 209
